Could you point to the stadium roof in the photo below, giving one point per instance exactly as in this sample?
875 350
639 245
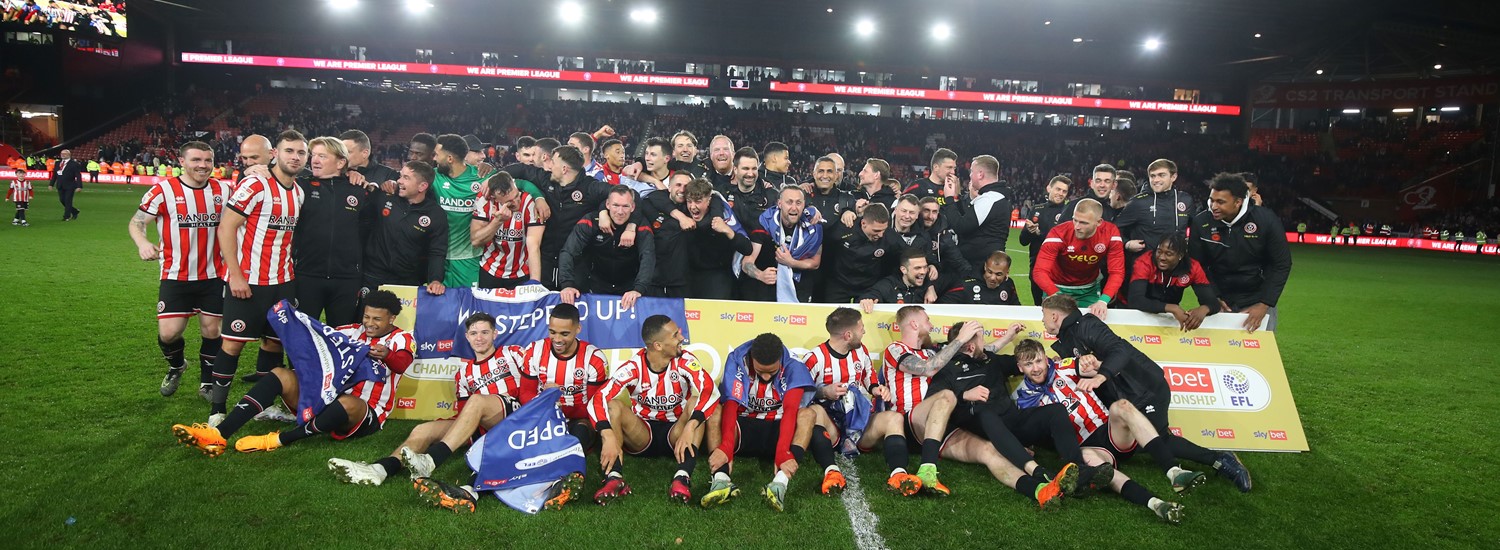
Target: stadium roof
1198 39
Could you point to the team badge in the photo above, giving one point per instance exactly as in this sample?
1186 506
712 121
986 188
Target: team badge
1099 248
424 221
161 306
218 200
352 200
879 252
672 377
1250 228
1056 218
1004 295
1182 207
1184 280
577 196
238 325
476 186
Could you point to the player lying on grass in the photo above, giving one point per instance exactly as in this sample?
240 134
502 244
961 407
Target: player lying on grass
1119 372
655 421
1105 438
359 411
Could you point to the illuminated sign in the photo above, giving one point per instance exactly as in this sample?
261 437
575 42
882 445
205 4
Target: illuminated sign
1004 98
398 67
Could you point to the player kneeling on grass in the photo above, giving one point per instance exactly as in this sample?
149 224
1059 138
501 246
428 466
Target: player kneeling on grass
485 389
360 410
1105 438
764 393
655 422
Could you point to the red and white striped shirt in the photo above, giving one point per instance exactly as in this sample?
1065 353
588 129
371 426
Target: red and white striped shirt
579 376
381 395
187 219
500 374
828 368
20 190
907 390
661 395
1084 408
505 257
270 212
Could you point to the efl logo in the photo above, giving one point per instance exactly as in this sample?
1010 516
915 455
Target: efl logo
743 317
406 403
694 315
445 345
1189 379
1202 342
1153 338
1175 430
1278 435
1251 344
1222 433
797 320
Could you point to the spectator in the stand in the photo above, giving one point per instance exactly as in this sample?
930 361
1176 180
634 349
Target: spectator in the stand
423 148
1158 279
943 170
1101 186
1041 222
1243 248
981 215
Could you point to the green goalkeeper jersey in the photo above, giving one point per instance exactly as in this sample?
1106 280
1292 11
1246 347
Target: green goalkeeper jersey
456 196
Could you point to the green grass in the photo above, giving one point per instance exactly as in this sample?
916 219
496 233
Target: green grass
1389 354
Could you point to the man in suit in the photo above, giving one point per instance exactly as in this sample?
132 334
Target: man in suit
68 180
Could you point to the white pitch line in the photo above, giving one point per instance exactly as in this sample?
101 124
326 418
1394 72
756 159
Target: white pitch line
861 519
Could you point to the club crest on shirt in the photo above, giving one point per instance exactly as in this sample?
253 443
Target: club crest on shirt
577 196
879 252
1099 248
424 221
1004 295
1183 279
352 200
1251 228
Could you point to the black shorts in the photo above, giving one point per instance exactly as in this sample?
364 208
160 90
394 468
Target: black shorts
245 320
368 425
22 205
189 298
1101 439
490 281
659 444
914 443
758 438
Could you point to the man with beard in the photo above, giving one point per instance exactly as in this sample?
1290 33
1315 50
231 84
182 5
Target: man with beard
833 203
942 171
748 197
1083 258
861 254
720 170
665 213
992 286
908 286
408 244
1101 185
982 216
572 195
1041 222
787 247
457 186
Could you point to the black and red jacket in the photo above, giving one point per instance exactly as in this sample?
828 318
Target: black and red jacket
1151 289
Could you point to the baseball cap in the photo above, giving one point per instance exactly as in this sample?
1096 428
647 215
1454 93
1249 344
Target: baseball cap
474 143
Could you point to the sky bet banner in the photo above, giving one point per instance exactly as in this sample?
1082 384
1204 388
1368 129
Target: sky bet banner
1229 390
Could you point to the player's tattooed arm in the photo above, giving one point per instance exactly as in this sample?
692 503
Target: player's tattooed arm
147 250
911 364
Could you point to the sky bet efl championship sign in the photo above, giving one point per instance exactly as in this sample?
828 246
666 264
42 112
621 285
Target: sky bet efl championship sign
1229 390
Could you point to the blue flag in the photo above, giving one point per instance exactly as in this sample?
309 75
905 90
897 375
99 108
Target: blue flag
738 373
528 451
608 326
520 318
438 324
852 415
326 361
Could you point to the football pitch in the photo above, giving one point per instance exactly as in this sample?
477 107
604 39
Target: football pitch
1385 350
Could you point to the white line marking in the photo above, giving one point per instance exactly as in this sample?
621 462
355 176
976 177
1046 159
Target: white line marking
861 519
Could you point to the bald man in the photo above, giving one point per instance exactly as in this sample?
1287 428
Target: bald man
255 151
